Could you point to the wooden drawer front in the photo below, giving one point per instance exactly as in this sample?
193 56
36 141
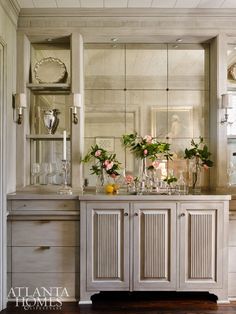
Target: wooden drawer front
232 205
232 259
44 205
37 233
36 280
46 260
232 232
232 285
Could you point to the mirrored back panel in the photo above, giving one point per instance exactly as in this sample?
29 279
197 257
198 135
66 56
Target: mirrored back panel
157 89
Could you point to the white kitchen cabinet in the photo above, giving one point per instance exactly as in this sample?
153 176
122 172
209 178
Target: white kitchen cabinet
154 245
108 246
201 227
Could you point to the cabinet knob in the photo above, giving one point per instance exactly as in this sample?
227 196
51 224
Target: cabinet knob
126 214
182 214
136 214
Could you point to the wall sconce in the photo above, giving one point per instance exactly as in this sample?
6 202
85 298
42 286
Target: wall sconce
75 102
20 104
226 103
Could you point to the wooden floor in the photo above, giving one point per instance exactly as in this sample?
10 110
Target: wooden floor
140 303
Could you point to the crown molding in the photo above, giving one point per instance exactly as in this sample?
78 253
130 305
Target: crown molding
125 12
12 9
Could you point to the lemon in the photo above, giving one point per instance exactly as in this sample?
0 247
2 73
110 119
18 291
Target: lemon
109 188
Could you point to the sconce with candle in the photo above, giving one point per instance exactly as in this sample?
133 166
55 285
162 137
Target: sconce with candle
75 100
20 105
226 103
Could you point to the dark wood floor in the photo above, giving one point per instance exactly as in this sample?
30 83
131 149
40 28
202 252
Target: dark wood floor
140 303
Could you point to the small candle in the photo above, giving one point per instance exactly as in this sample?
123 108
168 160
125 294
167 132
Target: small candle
64 145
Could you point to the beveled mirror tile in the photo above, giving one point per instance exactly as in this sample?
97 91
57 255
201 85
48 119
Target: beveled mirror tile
146 66
98 124
104 66
186 67
187 112
143 104
104 100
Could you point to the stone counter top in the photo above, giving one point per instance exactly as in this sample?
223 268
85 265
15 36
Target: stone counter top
40 196
153 197
50 195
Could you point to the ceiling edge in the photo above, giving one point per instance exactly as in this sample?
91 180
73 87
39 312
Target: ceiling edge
123 12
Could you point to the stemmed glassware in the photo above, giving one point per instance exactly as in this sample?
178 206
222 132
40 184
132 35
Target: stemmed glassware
35 172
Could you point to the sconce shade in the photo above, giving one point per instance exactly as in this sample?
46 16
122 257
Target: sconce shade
20 100
75 100
227 101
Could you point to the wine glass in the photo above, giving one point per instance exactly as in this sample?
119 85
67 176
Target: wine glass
35 172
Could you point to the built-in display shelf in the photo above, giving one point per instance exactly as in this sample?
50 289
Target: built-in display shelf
48 88
48 137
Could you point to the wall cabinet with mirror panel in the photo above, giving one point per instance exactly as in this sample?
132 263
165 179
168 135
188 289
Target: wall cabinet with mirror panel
157 89
50 110
230 121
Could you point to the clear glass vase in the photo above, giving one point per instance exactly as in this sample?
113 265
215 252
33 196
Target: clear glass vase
142 178
100 182
196 176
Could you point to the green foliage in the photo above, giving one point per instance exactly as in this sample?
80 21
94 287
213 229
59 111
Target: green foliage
103 160
170 179
147 146
199 150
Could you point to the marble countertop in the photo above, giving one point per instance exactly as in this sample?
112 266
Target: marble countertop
40 194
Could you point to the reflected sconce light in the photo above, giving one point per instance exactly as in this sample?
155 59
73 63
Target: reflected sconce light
20 105
75 103
226 103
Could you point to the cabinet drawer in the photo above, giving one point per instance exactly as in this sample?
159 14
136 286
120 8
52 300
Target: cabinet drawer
232 259
36 280
44 259
232 205
232 231
45 232
44 205
232 285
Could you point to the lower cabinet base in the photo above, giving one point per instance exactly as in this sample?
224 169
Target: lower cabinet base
85 297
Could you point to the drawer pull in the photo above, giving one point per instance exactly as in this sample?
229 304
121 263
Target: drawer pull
44 247
126 214
182 214
136 214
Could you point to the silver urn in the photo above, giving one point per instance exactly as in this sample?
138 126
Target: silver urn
51 120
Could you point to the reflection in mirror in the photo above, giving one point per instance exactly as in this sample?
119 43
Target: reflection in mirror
148 88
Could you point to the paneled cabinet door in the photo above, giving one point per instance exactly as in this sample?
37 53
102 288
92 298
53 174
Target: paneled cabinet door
201 245
154 246
108 246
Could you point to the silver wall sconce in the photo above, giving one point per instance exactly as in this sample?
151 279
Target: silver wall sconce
75 100
20 105
226 103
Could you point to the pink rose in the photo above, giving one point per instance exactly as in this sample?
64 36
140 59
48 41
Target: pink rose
108 164
148 139
145 152
205 167
155 164
98 153
113 175
129 179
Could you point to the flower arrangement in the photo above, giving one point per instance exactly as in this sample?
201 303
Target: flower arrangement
103 161
146 146
200 152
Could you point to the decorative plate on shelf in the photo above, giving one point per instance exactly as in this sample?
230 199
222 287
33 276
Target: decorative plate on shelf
232 72
50 70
